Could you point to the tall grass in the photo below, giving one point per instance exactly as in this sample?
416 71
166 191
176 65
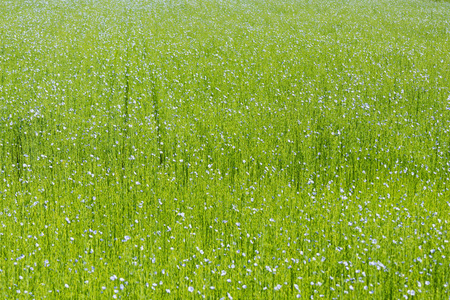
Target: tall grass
259 149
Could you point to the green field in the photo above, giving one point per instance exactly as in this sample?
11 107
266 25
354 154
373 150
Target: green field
235 149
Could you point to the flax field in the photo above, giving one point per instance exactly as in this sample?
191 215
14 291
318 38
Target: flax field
224 149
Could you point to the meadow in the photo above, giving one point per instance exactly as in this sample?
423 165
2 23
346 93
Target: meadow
224 149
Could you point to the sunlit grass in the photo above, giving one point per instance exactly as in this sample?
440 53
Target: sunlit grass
244 149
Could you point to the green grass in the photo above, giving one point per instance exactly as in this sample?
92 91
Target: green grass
245 149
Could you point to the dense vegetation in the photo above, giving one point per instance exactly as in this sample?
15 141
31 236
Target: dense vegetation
224 148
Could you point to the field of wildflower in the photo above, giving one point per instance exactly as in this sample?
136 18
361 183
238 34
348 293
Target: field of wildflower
224 149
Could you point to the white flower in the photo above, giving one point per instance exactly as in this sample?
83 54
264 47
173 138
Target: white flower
66 285
190 289
114 277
